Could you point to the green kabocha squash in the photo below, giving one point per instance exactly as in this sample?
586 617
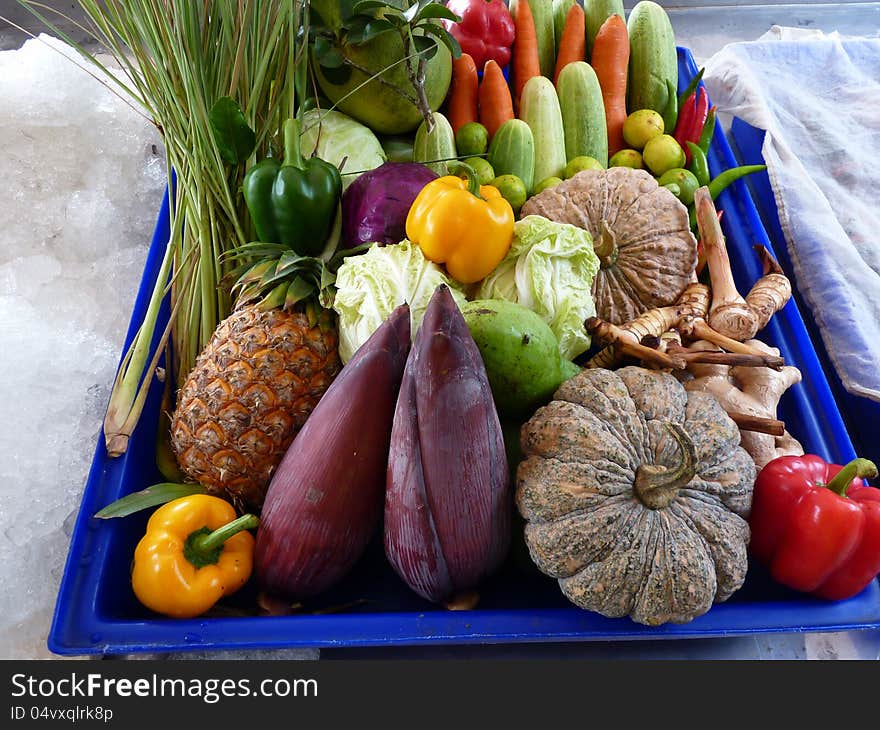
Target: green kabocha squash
635 494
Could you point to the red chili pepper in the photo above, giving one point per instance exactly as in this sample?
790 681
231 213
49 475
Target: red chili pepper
685 121
694 130
486 30
816 526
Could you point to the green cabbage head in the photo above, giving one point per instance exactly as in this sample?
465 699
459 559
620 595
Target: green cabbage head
549 269
371 285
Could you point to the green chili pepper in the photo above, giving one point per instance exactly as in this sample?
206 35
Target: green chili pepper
691 87
708 131
294 202
720 182
724 180
699 165
670 113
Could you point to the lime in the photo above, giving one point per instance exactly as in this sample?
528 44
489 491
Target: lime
684 179
512 189
641 126
485 173
579 164
547 182
663 153
471 139
627 158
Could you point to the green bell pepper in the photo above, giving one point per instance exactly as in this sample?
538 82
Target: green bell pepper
293 202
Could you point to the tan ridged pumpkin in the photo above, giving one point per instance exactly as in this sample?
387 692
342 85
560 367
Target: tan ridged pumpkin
635 494
641 233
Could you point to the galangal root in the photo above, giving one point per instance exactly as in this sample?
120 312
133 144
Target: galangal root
750 395
730 314
640 337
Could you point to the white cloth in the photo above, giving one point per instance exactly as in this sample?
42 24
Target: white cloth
818 98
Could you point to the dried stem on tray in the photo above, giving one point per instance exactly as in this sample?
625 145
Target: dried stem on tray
624 342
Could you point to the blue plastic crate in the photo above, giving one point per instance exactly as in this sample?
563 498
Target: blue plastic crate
96 611
861 415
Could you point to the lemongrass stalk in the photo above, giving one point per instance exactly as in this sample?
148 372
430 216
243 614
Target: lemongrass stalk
176 59
131 373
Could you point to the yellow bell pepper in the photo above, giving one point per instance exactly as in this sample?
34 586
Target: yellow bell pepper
462 224
194 552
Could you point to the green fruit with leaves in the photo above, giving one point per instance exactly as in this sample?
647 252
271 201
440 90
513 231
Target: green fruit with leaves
361 65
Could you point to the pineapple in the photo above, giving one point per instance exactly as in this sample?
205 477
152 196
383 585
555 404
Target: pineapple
255 383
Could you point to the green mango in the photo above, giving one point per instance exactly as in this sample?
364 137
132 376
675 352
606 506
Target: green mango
521 355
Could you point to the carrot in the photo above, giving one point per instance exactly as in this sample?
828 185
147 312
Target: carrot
573 41
525 63
610 60
496 104
463 93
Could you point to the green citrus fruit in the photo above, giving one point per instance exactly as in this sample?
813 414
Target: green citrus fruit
663 153
547 182
485 173
641 126
471 139
686 181
627 158
512 189
579 164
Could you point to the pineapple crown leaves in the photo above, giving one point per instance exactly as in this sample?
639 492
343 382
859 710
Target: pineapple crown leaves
276 277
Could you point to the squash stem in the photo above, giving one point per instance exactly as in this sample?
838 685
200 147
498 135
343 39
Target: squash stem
657 486
606 247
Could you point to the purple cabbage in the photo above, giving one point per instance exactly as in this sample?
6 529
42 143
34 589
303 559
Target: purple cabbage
374 207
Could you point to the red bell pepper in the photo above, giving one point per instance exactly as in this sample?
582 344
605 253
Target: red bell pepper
816 526
485 31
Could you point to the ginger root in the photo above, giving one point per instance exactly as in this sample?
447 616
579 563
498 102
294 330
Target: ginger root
730 314
748 391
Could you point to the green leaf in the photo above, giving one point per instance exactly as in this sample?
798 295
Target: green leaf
298 290
376 28
445 37
426 46
363 8
364 28
435 10
327 54
150 497
234 138
337 76
411 12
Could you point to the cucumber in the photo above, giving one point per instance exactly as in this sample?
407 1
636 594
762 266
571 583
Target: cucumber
436 147
597 12
653 61
583 112
512 152
539 108
542 13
